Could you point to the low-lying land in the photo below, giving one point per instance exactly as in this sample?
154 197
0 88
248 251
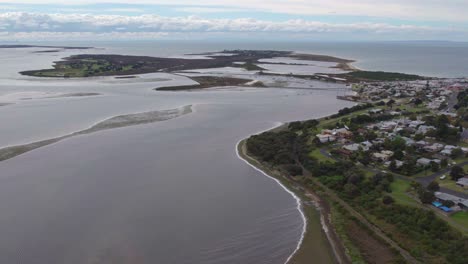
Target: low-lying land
108 64
207 82
42 46
357 76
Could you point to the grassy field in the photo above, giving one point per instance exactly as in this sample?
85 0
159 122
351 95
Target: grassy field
460 218
399 193
449 184
319 156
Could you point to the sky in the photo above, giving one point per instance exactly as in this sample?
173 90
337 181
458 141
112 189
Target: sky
269 20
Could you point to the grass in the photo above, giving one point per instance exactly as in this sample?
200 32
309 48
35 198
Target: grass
319 156
340 219
399 193
460 218
450 184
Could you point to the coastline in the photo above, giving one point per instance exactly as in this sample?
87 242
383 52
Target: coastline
120 121
311 207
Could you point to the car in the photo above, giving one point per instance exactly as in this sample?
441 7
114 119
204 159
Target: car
443 177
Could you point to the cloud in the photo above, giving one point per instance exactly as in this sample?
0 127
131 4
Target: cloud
200 10
22 25
22 21
433 10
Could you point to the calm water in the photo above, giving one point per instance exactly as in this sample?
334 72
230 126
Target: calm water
169 192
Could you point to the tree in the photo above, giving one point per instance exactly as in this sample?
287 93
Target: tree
387 199
426 196
448 203
293 169
399 154
457 153
433 186
417 101
418 137
444 163
434 166
390 103
393 165
456 173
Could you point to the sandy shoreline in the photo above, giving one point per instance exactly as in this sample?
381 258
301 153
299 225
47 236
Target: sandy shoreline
111 123
309 204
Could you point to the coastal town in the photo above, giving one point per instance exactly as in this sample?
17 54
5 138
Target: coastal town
417 130
398 155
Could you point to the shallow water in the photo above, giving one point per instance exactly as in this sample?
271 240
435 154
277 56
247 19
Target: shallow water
169 192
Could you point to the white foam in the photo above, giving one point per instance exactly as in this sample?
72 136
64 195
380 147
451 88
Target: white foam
298 200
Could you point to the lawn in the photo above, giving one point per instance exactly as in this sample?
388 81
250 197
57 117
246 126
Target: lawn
461 218
319 156
399 193
449 184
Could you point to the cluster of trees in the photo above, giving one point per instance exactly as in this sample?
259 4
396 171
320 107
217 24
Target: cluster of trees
462 98
303 125
434 236
443 131
349 110
277 149
456 173
384 76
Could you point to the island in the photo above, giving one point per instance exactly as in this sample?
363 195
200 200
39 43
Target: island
87 65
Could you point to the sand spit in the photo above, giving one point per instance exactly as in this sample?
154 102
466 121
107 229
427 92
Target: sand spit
111 123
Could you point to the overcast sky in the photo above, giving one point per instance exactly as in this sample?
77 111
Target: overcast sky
235 19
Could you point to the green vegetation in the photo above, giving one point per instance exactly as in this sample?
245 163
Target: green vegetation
381 76
399 192
316 154
207 82
460 218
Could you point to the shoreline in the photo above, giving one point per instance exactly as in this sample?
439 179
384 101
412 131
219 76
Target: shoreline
120 121
319 207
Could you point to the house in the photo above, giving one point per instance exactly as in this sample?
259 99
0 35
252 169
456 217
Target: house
408 141
447 151
464 135
416 123
423 129
352 147
366 145
427 162
398 163
376 111
436 147
463 203
325 138
421 143
332 135
463 182
343 133
382 156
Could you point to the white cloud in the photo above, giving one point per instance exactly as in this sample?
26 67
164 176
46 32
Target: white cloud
22 25
50 36
436 10
21 21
